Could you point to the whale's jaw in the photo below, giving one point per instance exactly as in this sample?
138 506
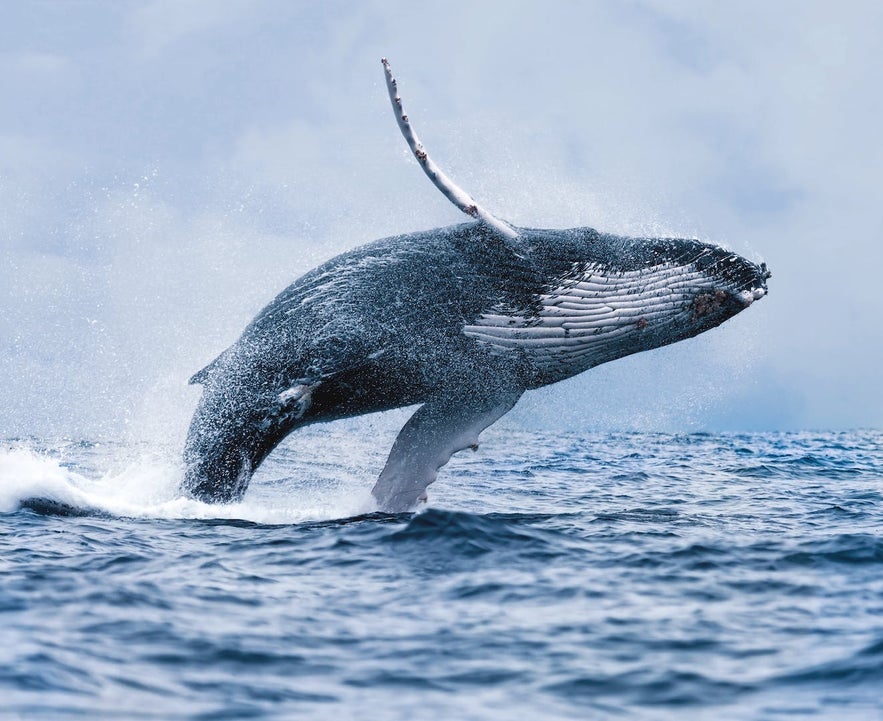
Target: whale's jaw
647 294
734 284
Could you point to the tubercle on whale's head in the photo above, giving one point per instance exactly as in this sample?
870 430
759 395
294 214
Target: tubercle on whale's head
759 289
662 290
729 284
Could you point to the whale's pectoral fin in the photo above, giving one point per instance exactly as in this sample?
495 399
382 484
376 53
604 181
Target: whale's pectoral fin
439 428
449 188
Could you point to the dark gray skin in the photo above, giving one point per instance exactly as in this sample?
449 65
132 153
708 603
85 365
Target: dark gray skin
388 325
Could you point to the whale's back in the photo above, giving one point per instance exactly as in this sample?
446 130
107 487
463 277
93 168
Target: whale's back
396 296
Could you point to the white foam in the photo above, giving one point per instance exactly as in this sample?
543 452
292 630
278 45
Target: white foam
25 474
147 487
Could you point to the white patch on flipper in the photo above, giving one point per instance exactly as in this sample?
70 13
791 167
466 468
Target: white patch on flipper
587 320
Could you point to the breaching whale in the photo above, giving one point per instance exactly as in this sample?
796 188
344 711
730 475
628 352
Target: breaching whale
461 320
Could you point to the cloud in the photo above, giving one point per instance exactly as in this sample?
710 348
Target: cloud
165 169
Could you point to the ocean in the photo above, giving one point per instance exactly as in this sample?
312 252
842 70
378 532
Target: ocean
550 576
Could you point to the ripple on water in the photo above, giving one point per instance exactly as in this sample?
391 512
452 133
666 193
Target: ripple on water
578 576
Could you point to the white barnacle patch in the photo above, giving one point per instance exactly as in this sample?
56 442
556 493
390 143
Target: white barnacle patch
597 316
749 296
295 401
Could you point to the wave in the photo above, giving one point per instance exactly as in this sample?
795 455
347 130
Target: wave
470 535
145 484
862 666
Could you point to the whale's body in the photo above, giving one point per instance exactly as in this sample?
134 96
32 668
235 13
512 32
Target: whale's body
461 320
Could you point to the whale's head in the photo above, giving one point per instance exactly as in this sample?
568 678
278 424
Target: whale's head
704 284
610 296
669 289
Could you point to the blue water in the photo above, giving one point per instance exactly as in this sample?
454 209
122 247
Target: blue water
594 576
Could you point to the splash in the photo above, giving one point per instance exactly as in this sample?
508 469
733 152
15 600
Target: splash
89 479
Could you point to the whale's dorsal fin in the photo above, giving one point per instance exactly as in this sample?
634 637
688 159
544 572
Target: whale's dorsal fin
202 376
449 189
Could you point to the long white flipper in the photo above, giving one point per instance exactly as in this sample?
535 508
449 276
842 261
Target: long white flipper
439 428
451 190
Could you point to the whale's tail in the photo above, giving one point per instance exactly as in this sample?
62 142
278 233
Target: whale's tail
234 428
218 456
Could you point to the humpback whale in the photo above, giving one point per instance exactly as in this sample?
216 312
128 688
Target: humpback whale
461 320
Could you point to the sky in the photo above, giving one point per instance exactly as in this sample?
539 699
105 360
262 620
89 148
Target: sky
167 167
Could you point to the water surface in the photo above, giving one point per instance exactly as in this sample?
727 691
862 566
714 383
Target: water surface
647 576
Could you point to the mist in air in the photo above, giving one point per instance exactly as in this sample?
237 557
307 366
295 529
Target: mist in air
166 169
